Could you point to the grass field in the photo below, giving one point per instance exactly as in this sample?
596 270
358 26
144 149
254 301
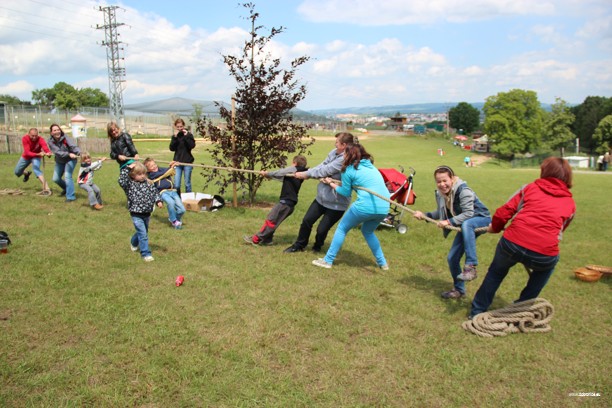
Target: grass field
85 322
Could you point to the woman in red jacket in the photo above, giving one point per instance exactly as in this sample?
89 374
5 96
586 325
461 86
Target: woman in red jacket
542 210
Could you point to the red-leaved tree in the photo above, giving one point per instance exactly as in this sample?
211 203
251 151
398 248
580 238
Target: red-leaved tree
262 133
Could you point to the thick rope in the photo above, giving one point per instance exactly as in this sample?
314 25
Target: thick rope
530 316
171 172
11 191
425 218
411 211
204 166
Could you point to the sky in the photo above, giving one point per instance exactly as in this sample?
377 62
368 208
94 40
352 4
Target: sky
362 52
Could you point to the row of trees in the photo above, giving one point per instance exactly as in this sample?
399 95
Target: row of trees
65 96
62 96
517 124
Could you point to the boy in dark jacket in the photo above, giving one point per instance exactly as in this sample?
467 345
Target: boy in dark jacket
141 199
287 201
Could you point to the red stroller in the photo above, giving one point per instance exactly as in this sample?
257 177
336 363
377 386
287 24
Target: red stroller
402 193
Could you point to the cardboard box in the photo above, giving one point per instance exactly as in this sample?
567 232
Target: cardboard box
197 202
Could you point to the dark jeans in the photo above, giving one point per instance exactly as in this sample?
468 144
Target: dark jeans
316 211
508 254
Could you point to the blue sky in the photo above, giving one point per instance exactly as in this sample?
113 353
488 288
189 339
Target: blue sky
363 52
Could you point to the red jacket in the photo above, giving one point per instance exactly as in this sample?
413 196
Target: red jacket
542 210
32 148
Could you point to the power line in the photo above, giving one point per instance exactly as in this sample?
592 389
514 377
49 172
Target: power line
54 32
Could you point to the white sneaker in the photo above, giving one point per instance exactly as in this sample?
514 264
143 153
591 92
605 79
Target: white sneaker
321 263
134 248
384 267
148 258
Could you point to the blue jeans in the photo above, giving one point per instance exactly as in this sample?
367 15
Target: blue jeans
508 254
175 206
141 237
66 184
465 243
22 164
177 177
350 220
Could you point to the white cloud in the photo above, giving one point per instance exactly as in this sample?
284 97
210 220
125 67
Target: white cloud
164 59
17 88
400 12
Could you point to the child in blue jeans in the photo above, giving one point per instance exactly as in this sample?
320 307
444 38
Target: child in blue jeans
142 197
163 179
458 206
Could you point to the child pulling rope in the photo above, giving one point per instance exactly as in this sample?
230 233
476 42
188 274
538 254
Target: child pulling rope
403 207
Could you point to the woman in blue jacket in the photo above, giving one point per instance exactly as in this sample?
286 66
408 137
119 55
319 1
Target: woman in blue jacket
358 171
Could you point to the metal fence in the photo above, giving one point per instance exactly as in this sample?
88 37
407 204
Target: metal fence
11 144
19 119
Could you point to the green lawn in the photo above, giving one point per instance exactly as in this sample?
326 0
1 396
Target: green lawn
85 322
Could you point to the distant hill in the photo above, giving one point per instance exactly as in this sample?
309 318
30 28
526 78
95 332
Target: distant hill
184 106
176 105
388 110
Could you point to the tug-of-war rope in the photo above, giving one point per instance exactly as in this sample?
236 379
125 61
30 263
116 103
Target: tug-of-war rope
403 207
523 317
530 316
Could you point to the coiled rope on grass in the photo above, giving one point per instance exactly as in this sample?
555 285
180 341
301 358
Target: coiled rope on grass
403 207
11 191
529 316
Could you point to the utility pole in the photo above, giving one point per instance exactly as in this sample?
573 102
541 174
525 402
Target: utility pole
116 73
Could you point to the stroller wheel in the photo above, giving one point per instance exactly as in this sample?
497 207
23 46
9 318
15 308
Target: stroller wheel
402 228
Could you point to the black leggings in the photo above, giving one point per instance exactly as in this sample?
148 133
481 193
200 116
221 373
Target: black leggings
315 211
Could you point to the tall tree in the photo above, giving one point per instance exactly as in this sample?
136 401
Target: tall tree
514 122
588 115
262 132
92 97
557 132
464 116
43 96
602 136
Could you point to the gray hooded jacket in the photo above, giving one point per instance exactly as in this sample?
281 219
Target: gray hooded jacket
326 196
464 205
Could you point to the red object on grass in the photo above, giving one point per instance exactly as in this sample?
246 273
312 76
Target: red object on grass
179 280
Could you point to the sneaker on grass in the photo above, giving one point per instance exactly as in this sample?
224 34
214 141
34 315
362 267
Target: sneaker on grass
248 239
134 248
321 263
148 258
452 294
468 274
